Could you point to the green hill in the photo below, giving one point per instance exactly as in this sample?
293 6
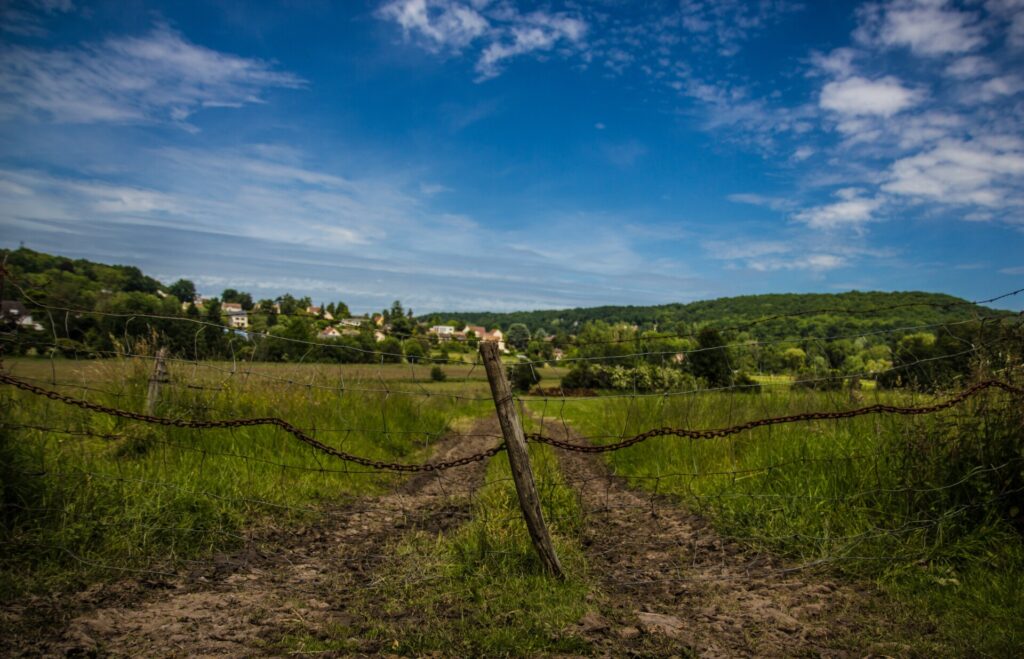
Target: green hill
805 314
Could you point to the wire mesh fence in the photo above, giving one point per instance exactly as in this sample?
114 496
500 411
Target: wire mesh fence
318 479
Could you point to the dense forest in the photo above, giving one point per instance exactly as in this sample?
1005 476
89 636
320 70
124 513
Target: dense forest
821 315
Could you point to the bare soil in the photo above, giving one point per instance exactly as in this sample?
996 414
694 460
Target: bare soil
665 583
244 605
669 586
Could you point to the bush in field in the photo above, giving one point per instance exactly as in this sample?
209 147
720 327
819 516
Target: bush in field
746 384
711 361
437 374
523 376
971 463
645 377
414 351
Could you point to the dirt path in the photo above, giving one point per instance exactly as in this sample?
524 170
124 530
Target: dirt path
670 586
245 605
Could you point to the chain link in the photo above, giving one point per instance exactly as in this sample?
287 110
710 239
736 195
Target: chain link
242 423
712 433
715 433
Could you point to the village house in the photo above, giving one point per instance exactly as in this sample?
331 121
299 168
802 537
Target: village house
315 311
442 332
352 322
238 319
379 336
229 307
483 335
12 311
329 333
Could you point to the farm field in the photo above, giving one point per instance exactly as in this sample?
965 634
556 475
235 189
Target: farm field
846 530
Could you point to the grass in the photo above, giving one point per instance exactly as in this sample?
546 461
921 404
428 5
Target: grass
924 506
481 590
100 494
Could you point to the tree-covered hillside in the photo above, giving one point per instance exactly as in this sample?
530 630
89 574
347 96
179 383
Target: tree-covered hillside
806 314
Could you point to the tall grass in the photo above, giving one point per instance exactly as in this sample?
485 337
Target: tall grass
926 506
86 493
481 590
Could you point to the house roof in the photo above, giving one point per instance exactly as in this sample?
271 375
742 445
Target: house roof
13 308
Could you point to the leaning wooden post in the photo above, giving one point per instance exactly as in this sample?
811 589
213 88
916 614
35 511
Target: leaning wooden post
519 457
158 377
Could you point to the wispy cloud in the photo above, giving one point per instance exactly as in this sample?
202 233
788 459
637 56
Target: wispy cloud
501 31
927 27
157 77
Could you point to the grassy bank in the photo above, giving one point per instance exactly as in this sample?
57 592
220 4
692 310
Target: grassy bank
925 506
87 495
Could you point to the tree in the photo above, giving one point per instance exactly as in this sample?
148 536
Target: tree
183 289
711 360
238 297
518 336
414 351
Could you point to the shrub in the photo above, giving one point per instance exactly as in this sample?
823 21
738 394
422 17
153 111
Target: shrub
437 374
645 377
523 376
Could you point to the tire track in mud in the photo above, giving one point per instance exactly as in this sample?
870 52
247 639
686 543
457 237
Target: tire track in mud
670 586
244 606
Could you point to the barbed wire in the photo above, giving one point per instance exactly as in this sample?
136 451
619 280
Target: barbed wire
535 437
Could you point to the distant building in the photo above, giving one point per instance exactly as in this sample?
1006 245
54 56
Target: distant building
443 332
483 335
316 311
329 333
229 307
379 336
238 319
353 322
12 311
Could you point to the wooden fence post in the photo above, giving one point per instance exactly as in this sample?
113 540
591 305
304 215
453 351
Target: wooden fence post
519 457
158 377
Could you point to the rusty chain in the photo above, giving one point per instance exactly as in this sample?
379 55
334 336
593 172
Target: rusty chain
242 423
714 433
711 433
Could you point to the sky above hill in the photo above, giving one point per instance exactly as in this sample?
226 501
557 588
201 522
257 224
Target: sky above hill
483 154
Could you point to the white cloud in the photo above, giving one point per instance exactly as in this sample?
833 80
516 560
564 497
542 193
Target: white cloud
538 31
774 203
737 249
859 96
441 24
802 153
811 262
998 87
156 77
725 24
972 66
502 30
27 17
927 27
624 154
837 64
978 172
852 209
1012 12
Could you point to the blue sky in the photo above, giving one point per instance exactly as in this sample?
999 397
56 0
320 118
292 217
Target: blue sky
481 154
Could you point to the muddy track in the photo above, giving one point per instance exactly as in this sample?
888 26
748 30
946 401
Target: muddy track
670 586
245 604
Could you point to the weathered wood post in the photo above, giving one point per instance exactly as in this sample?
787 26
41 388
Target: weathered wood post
519 457
158 377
